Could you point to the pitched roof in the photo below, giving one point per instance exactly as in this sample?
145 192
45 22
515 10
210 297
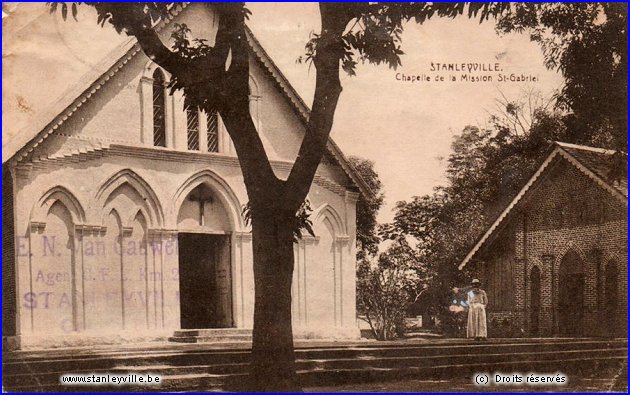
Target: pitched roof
601 162
45 123
596 163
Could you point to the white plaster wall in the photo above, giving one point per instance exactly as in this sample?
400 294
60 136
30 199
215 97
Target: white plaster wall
127 98
151 300
147 198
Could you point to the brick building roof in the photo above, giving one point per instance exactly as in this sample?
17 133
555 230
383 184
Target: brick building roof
604 163
607 168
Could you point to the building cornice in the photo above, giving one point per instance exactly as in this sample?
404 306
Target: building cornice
171 155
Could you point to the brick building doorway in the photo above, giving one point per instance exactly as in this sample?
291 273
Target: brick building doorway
571 285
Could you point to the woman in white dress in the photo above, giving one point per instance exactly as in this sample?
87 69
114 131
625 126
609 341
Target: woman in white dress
477 301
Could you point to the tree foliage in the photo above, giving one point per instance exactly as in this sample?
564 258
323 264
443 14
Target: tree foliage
386 286
587 42
301 222
367 209
373 31
485 170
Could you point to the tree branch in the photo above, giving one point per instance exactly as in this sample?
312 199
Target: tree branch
257 171
329 50
153 47
136 21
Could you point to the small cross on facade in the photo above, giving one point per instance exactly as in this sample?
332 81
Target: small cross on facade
202 195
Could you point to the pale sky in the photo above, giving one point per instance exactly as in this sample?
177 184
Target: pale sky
404 127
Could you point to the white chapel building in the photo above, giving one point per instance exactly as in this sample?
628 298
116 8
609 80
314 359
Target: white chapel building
121 206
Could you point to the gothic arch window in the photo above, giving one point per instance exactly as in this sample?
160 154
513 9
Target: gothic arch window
159 109
212 131
563 214
583 213
192 125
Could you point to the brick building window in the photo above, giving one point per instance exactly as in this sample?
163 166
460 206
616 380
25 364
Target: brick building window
611 298
159 109
506 281
499 280
563 214
534 300
601 212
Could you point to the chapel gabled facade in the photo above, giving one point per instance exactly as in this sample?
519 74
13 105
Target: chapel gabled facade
122 211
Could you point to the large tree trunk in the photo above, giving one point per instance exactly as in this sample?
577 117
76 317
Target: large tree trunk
273 358
273 202
274 205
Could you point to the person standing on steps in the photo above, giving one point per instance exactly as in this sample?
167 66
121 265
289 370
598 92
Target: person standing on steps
477 301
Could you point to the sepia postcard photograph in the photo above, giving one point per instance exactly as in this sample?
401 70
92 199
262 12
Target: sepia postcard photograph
314 197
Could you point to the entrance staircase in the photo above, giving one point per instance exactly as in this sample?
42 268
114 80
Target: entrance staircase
205 367
211 335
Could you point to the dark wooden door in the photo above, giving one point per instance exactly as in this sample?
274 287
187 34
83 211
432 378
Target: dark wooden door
205 281
196 280
571 305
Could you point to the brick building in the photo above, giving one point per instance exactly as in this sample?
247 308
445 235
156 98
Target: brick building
554 263
122 205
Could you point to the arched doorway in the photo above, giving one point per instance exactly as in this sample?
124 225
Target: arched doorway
205 280
571 284
610 298
534 320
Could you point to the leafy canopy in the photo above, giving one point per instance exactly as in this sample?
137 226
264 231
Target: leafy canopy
373 33
367 209
587 42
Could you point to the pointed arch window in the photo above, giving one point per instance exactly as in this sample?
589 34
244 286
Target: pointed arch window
159 109
212 131
192 125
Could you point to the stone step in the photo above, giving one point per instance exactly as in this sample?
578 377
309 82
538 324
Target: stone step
94 352
234 382
236 338
216 335
211 332
448 371
41 360
209 357
348 363
209 382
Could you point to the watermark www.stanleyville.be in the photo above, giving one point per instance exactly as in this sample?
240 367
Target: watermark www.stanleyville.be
518 379
110 379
